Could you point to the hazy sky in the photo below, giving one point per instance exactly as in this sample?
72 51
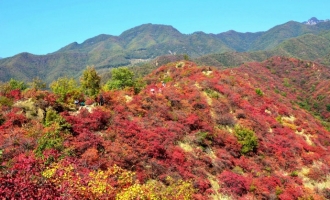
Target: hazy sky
44 26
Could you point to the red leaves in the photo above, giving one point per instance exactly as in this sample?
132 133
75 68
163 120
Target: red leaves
192 121
15 94
178 156
234 183
14 118
95 121
185 132
265 186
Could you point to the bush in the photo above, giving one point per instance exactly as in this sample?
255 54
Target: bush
328 107
246 138
234 183
212 93
52 139
225 120
259 92
52 117
4 101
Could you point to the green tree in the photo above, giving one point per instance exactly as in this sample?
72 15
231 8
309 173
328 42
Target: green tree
186 57
66 89
37 84
15 84
121 77
90 81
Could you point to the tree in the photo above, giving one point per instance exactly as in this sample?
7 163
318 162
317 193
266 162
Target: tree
65 88
90 81
186 57
121 77
37 84
17 85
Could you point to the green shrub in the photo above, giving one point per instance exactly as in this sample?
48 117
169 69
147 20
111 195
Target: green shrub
2 119
294 174
286 82
328 107
203 138
259 92
167 79
212 93
54 137
246 138
139 84
53 117
50 140
5 101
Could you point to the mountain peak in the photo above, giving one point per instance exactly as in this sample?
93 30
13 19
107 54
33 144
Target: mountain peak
153 29
314 20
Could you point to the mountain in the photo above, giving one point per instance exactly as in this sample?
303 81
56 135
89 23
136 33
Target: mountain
306 47
258 131
314 20
144 43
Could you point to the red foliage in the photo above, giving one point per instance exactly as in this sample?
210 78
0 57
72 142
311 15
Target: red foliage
234 184
14 119
15 94
265 186
144 134
291 192
22 181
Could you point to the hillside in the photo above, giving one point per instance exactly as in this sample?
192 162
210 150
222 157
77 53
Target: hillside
242 133
314 47
146 42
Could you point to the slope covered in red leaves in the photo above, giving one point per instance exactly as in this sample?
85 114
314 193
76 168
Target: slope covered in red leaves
242 133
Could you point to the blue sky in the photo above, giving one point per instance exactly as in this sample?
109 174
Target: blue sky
44 26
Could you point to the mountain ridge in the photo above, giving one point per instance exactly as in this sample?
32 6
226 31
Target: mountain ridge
146 42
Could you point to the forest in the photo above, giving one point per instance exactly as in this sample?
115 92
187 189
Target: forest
184 131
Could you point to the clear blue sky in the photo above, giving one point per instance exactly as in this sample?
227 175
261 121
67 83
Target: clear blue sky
44 26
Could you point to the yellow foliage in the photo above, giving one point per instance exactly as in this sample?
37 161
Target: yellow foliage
97 184
136 191
154 190
49 172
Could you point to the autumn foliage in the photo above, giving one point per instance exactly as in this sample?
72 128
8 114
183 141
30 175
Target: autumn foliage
193 132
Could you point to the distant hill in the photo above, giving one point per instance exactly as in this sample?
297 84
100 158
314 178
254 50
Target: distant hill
306 47
148 41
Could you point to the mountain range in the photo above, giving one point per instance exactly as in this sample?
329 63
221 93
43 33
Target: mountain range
146 42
